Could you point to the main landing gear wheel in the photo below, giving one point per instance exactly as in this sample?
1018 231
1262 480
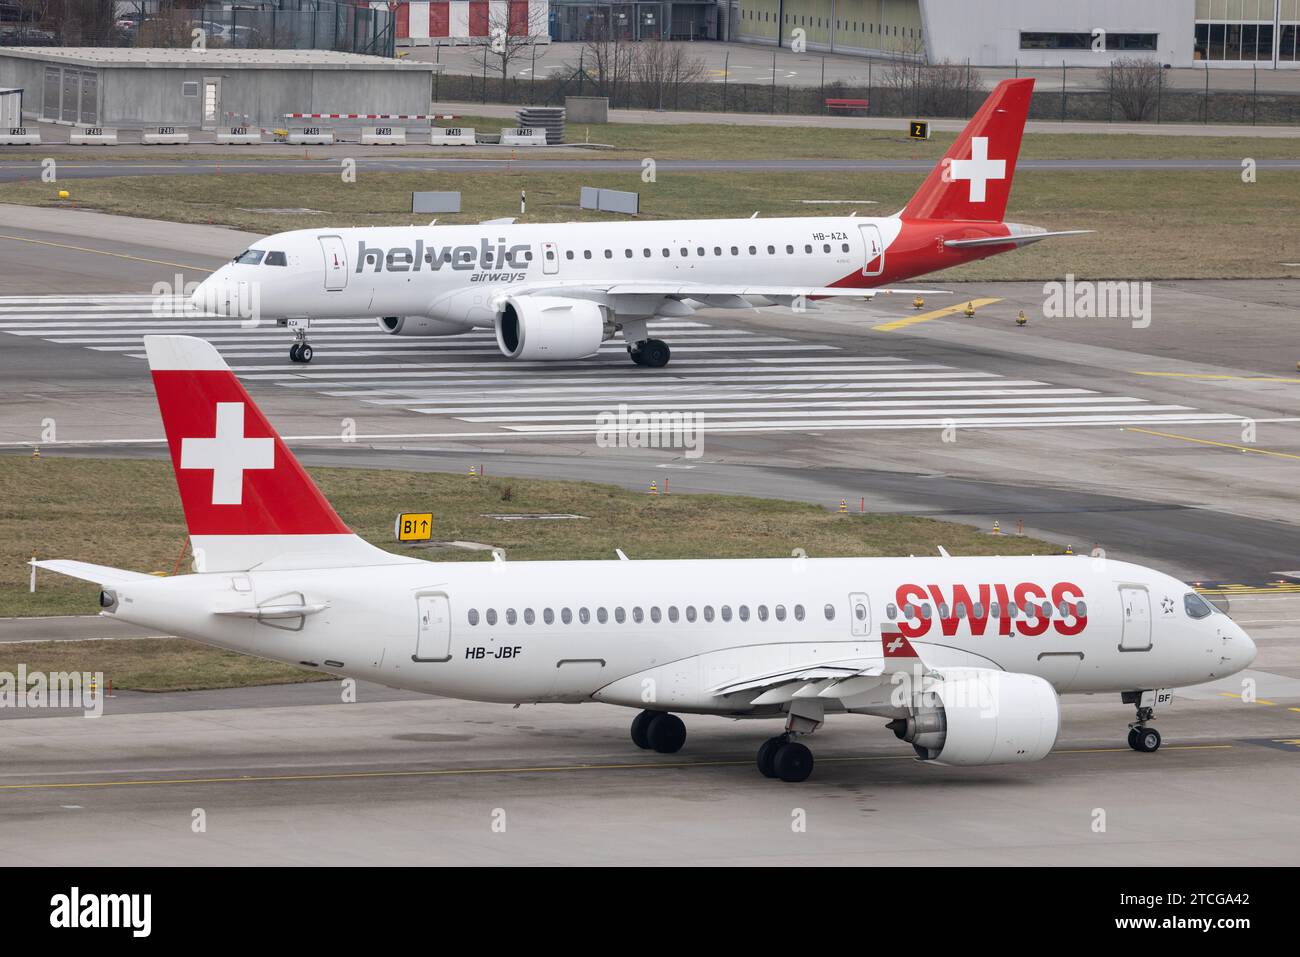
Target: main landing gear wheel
767 755
781 757
1145 740
640 724
665 733
300 352
652 353
792 762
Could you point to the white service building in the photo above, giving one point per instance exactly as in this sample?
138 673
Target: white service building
1037 33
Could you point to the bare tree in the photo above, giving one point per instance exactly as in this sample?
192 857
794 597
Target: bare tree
931 89
1134 84
504 43
606 58
660 66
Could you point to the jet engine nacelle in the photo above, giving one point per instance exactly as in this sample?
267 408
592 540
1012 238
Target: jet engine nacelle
421 326
551 327
978 716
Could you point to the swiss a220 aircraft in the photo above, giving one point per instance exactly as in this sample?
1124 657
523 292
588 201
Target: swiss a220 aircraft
964 657
558 290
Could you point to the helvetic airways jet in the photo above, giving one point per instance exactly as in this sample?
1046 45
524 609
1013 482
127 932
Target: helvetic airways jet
964 656
558 290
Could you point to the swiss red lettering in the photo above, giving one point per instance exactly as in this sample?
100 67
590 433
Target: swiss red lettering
1063 592
1027 593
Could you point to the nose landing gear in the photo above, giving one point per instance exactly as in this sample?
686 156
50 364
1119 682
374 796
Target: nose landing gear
1141 737
301 350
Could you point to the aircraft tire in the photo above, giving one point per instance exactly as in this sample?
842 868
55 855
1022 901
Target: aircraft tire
666 733
793 762
639 725
766 756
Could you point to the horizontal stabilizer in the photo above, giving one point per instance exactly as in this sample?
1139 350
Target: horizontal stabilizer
1023 239
86 572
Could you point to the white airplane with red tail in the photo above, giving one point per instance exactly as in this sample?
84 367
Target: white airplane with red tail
556 291
965 657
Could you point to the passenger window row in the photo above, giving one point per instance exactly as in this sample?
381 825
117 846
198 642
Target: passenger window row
638 614
995 610
666 252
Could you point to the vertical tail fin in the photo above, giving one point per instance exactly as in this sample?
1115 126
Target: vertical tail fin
973 180
247 501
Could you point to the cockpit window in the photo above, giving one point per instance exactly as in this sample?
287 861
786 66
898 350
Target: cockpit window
275 259
250 257
1196 606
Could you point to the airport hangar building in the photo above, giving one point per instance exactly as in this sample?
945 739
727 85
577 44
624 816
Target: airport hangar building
1180 33
204 89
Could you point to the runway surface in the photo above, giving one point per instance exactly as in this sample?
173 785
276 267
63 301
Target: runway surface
291 775
737 379
818 407
18 170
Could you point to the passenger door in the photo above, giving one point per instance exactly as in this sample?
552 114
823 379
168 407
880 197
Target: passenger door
873 261
1135 602
433 636
336 263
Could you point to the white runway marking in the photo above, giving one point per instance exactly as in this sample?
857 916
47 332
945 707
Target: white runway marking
738 380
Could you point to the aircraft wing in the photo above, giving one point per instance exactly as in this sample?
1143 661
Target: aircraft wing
853 682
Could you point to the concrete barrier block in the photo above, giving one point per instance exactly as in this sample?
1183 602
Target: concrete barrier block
92 136
383 136
451 136
164 136
239 135
523 136
311 136
19 136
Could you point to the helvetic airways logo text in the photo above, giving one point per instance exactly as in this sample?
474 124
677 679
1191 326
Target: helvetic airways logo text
73 910
486 255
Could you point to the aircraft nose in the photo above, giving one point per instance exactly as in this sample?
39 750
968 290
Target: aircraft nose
201 295
218 295
1247 646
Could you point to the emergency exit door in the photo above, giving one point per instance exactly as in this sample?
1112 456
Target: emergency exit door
1136 606
860 614
433 636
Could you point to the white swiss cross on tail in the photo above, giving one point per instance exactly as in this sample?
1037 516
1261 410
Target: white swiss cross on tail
979 169
228 454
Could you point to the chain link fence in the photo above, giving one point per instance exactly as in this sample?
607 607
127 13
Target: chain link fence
1127 91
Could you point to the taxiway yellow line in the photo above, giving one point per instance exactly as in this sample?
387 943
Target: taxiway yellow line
102 252
1222 445
541 769
927 316
1208 375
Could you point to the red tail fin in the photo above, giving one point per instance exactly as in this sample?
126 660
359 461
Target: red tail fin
248 503
235 475
973 180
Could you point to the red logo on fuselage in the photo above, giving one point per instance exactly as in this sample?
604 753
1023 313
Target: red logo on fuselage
950 618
